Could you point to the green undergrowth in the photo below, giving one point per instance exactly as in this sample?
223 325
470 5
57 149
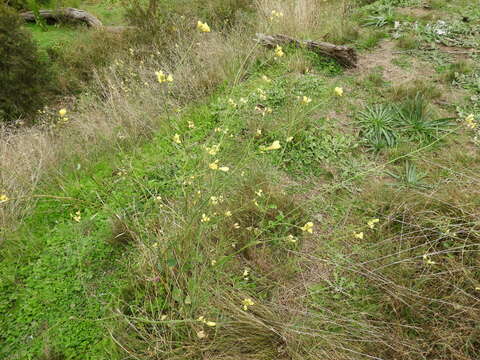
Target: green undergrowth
307 212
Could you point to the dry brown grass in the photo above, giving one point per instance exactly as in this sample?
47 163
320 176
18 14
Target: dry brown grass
121 110
305 18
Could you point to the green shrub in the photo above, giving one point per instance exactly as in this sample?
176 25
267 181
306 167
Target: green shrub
24 76
25 4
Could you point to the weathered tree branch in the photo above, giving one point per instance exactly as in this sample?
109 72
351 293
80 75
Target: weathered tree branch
64 14
345 55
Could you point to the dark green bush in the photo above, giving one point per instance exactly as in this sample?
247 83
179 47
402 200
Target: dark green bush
25 77
25 4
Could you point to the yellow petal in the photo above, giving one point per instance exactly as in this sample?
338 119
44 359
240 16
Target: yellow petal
275 146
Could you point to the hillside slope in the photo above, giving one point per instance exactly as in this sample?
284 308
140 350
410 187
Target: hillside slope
290 209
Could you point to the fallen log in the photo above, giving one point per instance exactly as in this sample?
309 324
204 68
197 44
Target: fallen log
345 55
63 14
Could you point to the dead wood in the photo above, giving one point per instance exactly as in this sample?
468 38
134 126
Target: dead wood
345 55
64 14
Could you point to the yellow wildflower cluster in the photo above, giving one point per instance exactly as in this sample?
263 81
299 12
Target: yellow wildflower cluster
246 273
215 200
427 260
291 239
276 15
3 198
279 51
262 94
308 227
213 150
203 27
162 77
215 166
358 235
205 218
63 119
176 139
338 91
77 216
266 79
247 303
306 100
208 323
371 223
470 121
232 103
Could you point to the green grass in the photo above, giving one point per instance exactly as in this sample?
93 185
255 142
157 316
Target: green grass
125 250
109 13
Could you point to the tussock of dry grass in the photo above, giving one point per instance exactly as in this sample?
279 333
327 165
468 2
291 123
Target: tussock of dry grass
329 294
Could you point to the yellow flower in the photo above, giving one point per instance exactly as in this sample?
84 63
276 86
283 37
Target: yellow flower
308 227
275 146
212 150
236 226
161 77
214 200
246 303
63 112
203 27
266 78
3 198
232 103
77 217
205 218
224 168
427 260
259 132
371 223
306 100
191 125
246 272
214 165
213 262
276 15
261 94
211 323
290 139
291 239
201 334
259 192
176 139
359 235
201 318
228 213
279 51
470 121
338 91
